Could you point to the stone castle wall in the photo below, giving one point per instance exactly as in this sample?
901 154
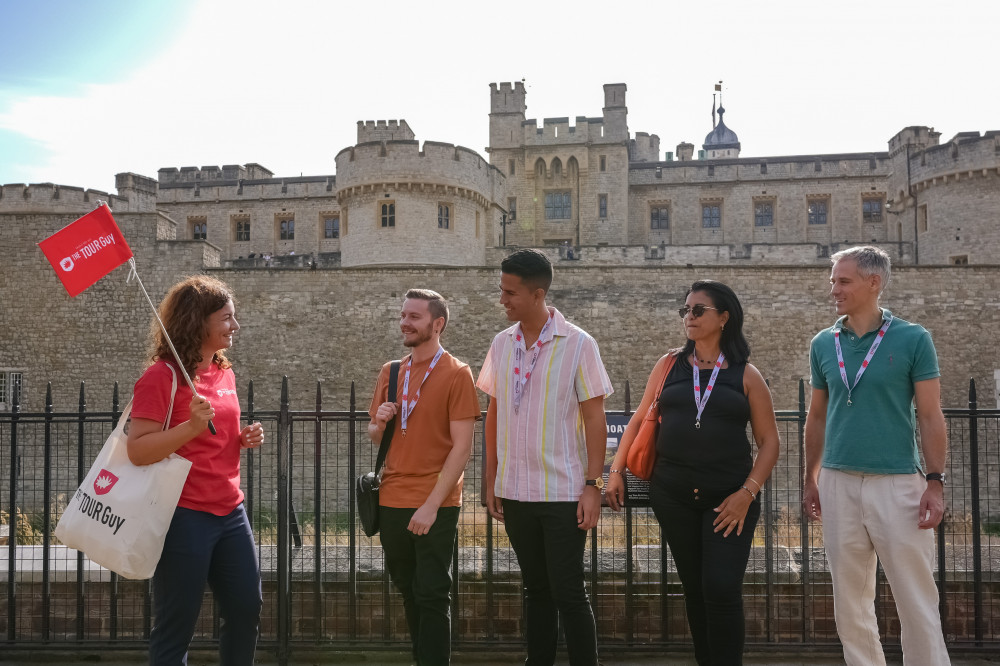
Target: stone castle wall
339 325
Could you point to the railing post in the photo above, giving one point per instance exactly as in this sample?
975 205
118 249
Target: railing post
352 528
47 517
113 619
977 552
284 548
80 471
629 554
803 519
251 458
318 514
12 507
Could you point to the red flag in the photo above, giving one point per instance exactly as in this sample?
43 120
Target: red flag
86 250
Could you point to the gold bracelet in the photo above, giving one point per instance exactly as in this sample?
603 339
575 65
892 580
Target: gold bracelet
749 491
750 478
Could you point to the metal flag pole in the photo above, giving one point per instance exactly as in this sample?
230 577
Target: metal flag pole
133 274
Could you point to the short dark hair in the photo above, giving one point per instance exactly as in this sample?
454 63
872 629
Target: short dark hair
531 266
733 344
435 303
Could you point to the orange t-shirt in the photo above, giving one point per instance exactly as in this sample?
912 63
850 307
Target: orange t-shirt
414 462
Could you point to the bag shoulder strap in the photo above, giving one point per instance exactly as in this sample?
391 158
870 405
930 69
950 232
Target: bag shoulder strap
667 367
173 394
383 448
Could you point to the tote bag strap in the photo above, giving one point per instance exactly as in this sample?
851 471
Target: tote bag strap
173 394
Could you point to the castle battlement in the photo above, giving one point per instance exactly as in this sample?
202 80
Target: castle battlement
52 198
507 98
408 161
967 153
384 130
209 174
796 167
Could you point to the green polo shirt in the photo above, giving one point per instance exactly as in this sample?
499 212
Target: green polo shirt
877 432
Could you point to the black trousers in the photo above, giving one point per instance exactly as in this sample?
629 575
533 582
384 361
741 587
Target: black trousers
711 568
420 568
549 548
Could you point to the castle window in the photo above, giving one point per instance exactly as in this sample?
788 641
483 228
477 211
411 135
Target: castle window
817 211
10 386
199 227
511 208
871 211
286 230
387 213
510 167
922 221
711 216
659 217
763 214
331 227
241 229
444 216
959 260
604 162
602 206
557 206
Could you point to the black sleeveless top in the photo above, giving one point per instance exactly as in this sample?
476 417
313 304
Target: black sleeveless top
715 458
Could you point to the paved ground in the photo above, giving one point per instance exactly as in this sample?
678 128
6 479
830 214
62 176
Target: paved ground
359 658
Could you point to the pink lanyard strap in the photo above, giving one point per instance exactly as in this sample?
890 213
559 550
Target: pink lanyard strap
409 405
699 400
864 364
521 379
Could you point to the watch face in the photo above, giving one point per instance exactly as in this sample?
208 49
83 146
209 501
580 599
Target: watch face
598 482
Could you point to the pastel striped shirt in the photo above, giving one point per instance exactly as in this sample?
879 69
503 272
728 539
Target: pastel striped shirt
542 448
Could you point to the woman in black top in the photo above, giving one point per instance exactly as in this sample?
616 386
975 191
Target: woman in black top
706 481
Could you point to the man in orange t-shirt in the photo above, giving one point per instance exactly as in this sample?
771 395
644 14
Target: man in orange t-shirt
436 407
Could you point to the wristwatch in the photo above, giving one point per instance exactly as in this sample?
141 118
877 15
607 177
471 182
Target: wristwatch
937 476
598 482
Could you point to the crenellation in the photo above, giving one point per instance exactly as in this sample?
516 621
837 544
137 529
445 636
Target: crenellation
384 130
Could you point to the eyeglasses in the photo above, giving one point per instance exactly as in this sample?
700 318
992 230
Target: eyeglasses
696 311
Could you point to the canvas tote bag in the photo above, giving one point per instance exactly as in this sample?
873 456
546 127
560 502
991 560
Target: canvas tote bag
120 514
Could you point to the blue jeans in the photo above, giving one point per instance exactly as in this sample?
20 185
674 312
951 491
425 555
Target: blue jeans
549 548
420 568
201 547
711 568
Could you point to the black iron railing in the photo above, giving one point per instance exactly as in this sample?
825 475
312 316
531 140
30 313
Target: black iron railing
325 584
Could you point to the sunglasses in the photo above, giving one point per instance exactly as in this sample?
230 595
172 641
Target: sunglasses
696 311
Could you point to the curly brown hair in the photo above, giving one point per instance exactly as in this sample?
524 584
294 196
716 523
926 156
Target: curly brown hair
184 312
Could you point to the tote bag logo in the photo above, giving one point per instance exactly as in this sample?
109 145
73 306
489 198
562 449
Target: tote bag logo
66 264
104 482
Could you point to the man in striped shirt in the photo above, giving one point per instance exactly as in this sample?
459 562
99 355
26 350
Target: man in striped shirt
545 444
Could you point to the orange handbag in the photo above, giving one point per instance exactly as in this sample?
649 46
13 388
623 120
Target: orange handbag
642 453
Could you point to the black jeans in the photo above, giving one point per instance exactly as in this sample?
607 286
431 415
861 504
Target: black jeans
420 568
711 568
549 548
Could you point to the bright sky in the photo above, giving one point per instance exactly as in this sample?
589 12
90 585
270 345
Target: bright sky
90 88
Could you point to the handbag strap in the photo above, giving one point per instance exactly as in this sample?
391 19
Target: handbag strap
671 359
383 448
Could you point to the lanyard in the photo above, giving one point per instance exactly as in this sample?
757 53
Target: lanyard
409 405
521 379
864 364
699 400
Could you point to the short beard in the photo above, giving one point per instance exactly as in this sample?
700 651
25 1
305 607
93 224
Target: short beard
422 337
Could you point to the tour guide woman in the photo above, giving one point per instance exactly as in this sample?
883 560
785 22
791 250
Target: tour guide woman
209 539
705 484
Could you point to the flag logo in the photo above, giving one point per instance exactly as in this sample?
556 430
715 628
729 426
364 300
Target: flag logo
104 482
66 264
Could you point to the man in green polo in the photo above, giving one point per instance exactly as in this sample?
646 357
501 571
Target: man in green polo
864 475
